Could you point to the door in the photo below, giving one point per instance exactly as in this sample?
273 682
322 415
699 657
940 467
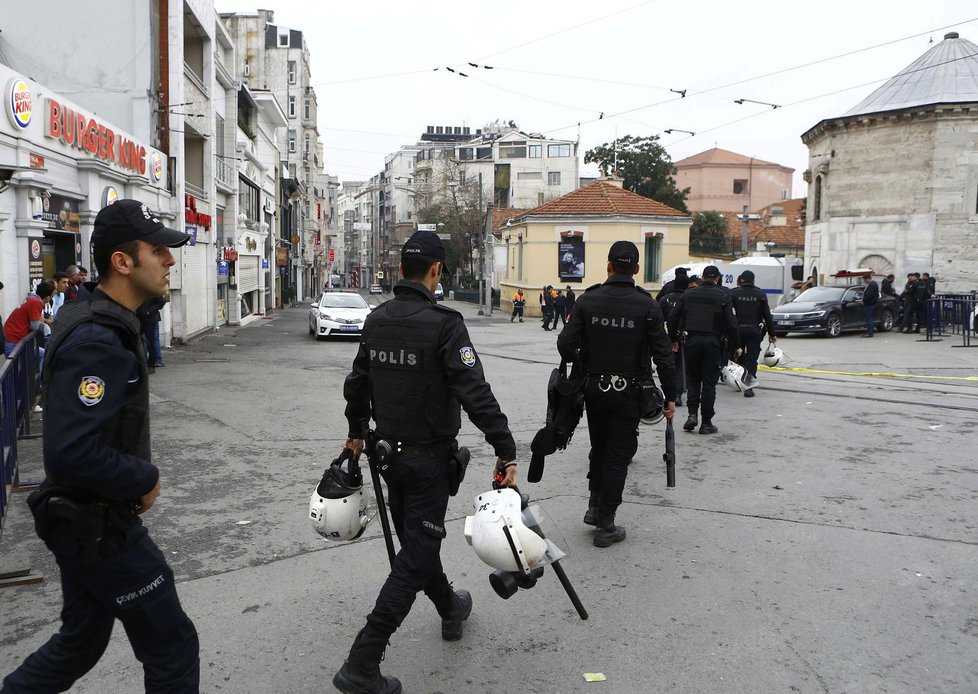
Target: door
852 308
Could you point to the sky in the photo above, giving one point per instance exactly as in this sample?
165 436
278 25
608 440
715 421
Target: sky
594 71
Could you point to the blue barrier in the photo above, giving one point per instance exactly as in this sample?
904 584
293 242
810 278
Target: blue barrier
954 314
18 392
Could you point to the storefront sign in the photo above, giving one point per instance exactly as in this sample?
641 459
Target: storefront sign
193 235
77 130
61 213
281 256
35 266
222 267
229 253
36 161
35 249
264 263
192 216
109 196
570 256
20 103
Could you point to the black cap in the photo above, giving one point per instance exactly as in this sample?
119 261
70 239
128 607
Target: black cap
682 271
747 276
711 271
131 220
425 244
624 253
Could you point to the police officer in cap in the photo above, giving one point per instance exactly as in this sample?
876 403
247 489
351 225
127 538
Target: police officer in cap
614 329
705 313
99 478
752 310
416 364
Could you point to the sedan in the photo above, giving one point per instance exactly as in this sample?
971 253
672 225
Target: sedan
338 313
830 311
376 289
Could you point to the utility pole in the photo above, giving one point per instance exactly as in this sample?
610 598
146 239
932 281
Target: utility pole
481 252
490 260
744 229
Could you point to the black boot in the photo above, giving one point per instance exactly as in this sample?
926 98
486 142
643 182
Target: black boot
608 533
591 515
691 422
451 627
707 427
679 400
360 673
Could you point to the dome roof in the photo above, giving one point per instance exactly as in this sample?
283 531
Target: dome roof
946 74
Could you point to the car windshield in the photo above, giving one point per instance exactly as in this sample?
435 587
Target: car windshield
348 300
819 294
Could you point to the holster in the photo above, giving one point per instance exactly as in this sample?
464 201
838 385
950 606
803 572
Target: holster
650 397
457 465
84 518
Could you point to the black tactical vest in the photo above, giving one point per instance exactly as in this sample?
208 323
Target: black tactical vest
704 309
747 302
614 330
128 430
409 391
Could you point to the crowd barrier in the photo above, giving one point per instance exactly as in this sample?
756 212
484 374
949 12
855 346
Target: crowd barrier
18 393
953 315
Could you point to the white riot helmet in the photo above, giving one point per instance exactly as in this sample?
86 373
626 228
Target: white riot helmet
773 356
735 376
338 507
653 417
499 536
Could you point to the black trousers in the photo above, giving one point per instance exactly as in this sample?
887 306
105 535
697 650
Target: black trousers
132 583
612 420
750 341
417 485
517 312
703 355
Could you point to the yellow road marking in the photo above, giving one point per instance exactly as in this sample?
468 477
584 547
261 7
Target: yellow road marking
878 374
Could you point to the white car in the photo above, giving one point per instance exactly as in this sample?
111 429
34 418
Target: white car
376 289
439 292
338 313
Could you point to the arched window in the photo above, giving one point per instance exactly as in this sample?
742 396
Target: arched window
817 206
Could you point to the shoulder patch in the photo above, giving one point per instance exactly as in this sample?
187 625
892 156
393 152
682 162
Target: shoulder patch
468 356
91 390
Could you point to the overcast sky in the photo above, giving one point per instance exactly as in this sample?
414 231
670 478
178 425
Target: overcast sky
559 64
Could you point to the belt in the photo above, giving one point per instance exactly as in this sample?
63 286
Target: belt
608 382
416 448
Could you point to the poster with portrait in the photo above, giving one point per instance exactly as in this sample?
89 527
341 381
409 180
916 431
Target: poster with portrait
570 257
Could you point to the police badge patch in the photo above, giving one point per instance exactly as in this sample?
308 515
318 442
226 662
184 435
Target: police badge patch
91 390
468 356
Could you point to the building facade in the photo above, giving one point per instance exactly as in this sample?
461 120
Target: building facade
724 181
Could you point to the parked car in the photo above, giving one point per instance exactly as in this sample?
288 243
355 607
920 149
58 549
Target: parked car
439 292
338 313
831 310
376 289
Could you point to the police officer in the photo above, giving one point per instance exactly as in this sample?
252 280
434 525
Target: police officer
705 313
614 329
752 310
415 365
915 313
98 474
667 302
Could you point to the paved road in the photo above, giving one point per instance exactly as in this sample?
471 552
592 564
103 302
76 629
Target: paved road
824 541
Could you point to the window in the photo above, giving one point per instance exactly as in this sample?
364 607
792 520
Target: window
291 107
483 153
817 211
248 199
293 73
740 186
305 144
464 153
558 150
292 140
526 175
534 151
653 258
553 178
283 40
512 150
307 110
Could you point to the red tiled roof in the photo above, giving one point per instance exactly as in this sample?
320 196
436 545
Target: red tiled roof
717 157
501 215
790 235
603 198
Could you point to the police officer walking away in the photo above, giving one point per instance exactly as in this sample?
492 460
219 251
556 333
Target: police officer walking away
705 313
613 330
415 365
98 474
751 308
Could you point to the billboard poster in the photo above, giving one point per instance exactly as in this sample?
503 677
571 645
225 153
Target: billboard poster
570 257
60 213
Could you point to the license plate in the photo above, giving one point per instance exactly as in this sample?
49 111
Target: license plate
349 327
786 322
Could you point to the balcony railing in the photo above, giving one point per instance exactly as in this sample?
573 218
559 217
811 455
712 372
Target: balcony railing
224 174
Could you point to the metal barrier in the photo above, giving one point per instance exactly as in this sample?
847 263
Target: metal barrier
954 314
18 393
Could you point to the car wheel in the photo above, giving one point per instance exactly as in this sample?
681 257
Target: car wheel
886 321
833 326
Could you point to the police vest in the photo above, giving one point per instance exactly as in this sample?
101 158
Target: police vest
409 392
704 309
614 331
747 303
127 430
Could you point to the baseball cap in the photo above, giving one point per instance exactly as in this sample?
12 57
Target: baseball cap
624 252
131 220
747 276
425 244
711 271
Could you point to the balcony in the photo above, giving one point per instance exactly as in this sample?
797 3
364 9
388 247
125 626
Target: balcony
224 176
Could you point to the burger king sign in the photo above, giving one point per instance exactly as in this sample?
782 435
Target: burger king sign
20 103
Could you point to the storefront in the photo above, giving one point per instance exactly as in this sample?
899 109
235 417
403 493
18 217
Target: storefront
59 165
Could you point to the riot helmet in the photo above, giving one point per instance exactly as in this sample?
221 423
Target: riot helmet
338 507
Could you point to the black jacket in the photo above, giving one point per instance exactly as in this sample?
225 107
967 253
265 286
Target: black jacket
751 307
717 301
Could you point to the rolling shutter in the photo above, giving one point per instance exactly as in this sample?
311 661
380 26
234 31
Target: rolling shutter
195 288
247 273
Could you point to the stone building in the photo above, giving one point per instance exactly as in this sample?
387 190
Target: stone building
893 183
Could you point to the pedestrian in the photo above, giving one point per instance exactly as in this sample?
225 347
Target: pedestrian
415 365
753 319
29 317
871 296
667 302
60 281
615 328
931 283
74 281
886 286
670 286
915 301
547 296
99 475
705 314
571 298
519 303
560 308
807 284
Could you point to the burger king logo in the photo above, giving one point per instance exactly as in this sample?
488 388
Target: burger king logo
20 103
157 166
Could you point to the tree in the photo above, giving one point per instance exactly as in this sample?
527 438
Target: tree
456 212
645 167
708 233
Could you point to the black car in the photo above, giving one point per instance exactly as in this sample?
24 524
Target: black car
830 311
